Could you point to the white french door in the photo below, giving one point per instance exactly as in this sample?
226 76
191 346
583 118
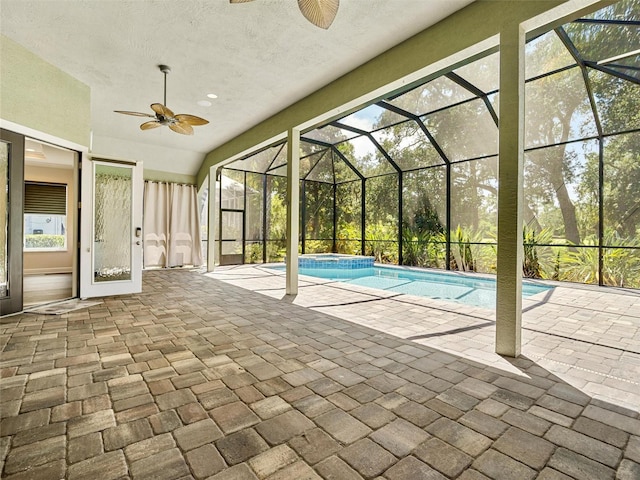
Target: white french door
111 228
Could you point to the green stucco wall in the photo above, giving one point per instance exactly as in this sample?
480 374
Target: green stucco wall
477 22
35 94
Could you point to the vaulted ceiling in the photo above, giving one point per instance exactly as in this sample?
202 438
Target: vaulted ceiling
257 57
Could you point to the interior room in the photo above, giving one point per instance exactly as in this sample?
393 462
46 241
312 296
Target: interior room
49 245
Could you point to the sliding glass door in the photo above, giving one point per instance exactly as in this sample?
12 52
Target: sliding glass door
11 225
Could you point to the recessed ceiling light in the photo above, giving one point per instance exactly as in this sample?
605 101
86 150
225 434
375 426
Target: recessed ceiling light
212 95
204 103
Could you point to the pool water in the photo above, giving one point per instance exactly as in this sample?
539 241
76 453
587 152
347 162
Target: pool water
475 291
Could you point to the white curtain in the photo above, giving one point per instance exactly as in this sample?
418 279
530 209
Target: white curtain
171 225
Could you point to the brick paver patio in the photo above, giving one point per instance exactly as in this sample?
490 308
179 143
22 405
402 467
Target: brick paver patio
200 378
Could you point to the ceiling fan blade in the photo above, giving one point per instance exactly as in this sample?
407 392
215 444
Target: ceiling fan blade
162 110
319 12
150 125
181 127
191 119
137 114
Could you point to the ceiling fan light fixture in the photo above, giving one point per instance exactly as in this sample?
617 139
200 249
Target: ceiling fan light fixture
150 125
319 12
181 123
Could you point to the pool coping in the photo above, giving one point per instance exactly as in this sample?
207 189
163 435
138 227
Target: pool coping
446 304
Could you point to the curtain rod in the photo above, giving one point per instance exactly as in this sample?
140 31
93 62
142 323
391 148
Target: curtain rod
172 183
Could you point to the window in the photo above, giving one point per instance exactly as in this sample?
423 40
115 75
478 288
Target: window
45 216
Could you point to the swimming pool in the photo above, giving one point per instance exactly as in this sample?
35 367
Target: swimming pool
469 290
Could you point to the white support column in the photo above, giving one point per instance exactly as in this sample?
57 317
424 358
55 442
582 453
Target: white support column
510 193
212 219
293 209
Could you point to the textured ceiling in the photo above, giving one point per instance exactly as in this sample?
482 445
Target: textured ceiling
257 57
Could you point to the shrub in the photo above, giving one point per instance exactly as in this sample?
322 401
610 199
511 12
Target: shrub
44 241
537 258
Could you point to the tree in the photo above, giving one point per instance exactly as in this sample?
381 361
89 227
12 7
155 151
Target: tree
551 104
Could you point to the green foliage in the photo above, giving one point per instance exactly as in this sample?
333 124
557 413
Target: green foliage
253 253
381 242
621 266
423 248
319 210
349 247
536 259
276 208
44 241
622 183
348 239
276 250
484 257
318 246
461 249
562 183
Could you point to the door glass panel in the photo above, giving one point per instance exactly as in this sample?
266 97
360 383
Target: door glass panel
112 230
232 225
4 213
231 247
233 189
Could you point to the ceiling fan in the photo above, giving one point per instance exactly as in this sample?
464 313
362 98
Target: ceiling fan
319 12
182 123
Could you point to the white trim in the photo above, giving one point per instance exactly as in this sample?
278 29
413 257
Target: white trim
45 137
97 157
88 287
293 209
45 250
212 219
47 271
282 137
559 13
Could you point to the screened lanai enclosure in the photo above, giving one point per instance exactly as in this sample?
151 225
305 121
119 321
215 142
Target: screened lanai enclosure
412 179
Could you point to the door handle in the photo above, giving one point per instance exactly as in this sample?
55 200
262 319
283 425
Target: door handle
138 242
